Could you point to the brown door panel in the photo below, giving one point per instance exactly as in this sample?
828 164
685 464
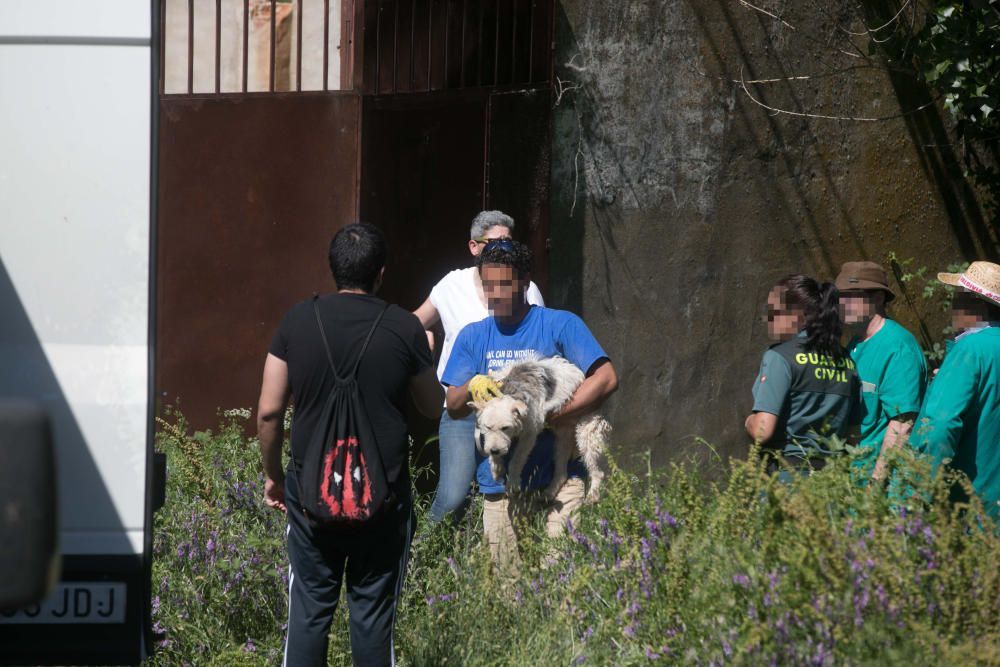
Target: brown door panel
422 183
251 189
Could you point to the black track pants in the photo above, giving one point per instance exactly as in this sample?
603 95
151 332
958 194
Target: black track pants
373 561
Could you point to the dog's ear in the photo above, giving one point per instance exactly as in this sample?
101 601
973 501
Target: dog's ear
477 405
519 409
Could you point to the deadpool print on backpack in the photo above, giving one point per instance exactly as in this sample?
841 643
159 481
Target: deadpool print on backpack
341 476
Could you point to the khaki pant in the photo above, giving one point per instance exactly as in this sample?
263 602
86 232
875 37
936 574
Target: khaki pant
500 515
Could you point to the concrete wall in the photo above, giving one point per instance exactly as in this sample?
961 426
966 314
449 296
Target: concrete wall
677 200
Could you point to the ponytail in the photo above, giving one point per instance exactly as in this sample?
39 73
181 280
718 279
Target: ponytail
823 327
821 307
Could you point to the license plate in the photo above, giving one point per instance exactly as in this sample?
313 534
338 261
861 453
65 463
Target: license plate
75 602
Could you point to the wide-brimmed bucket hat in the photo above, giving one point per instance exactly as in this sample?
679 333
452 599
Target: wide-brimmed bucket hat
856 276
983 278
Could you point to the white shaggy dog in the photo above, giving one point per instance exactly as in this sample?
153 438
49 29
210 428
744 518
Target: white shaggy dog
530 391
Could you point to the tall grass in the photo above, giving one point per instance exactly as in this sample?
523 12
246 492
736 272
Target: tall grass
668 567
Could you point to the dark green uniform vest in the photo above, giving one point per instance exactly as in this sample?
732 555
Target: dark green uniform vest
821 399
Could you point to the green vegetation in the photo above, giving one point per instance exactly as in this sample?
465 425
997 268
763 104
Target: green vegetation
954 51
668 567
922 287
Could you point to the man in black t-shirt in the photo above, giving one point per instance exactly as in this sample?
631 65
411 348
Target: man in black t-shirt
398 360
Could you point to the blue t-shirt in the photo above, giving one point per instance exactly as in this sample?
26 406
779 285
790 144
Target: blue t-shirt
485 345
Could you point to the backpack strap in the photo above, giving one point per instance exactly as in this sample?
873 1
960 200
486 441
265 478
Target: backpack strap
326 344
322 333
368 339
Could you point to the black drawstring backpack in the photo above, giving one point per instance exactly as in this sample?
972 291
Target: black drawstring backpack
342 480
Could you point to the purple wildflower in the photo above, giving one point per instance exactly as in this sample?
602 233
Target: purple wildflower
651 655
741 580
249 647
883 597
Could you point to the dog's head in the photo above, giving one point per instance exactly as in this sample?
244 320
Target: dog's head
498 424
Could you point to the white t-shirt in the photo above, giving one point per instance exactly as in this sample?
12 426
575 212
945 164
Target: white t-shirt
458 304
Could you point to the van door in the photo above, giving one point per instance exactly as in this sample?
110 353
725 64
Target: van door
75 135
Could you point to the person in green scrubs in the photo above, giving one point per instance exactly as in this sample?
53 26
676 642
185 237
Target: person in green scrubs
889 361
960 419
806 390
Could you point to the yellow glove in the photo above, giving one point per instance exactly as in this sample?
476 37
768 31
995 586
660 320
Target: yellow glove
483 388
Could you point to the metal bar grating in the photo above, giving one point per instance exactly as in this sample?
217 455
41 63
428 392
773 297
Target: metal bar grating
254 46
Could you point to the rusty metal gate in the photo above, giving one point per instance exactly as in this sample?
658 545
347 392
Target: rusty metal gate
444 111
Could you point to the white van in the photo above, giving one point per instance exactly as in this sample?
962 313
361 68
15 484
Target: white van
77 120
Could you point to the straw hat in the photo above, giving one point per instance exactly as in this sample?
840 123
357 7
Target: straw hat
983 278
864 276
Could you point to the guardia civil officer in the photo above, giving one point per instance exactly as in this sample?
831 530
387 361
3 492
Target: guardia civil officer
960 419
807 386
889 362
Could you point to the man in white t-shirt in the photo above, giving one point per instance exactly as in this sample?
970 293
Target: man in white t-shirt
458 300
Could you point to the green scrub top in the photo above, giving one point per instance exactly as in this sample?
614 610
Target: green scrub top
960 419
893 375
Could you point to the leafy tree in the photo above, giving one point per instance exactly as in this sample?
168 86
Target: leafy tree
957 52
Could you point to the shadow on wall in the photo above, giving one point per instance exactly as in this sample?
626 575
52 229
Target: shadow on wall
790 140
677 199
565 194
936 148
27 373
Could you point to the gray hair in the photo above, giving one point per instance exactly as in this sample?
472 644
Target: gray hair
486 219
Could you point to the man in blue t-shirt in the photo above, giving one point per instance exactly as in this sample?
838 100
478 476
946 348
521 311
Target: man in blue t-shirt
516 331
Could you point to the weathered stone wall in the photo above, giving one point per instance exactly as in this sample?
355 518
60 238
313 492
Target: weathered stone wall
677 200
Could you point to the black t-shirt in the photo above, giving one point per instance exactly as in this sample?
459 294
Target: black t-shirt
398 351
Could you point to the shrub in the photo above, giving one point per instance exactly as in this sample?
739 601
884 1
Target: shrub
667 567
